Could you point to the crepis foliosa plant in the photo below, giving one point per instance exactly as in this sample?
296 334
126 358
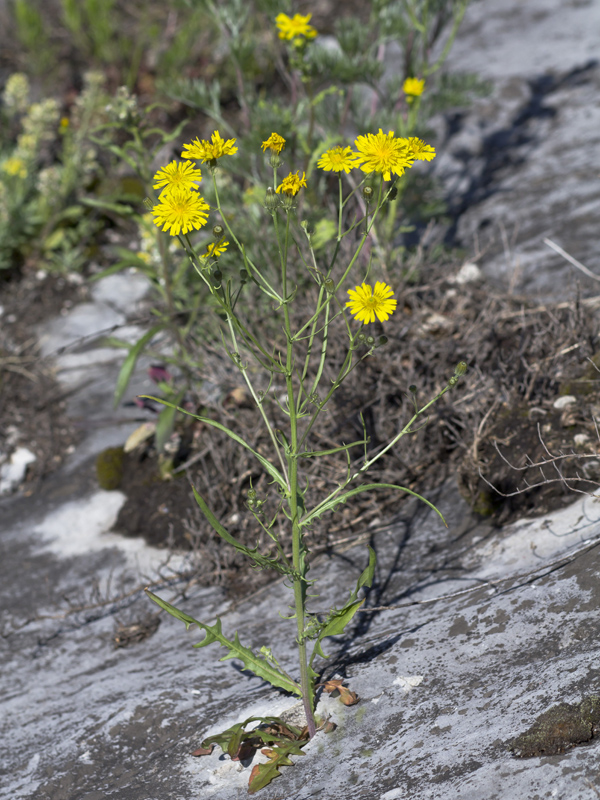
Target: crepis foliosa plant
297 366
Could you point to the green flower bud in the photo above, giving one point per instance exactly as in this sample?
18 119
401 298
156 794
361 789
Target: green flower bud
218 231
329 285
367 193
271 200
275 160
412 389
382 341
244 275
217 277
460 368
370 340
393 193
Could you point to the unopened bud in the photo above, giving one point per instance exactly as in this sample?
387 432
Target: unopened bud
218 231
329 285
412 389
367 193
217 277
393 193
271 199
460 368
275 160
382 341
370 340
243 275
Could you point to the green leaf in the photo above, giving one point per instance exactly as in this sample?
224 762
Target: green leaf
253 554
313 453
106 205
330 504
263 774
335 625
164 426
270 468
249 659
130 362
366 578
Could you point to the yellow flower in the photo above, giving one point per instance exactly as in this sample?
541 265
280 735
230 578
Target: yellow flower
180 175
209 151
420 151
215 249
15 166
290 27
292 184
413 87
275 142
380 152
338 159
180 210
366 303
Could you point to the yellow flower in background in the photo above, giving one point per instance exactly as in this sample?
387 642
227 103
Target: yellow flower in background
292 184
215 249
337 159
209 151
182 175
275 142
420 150
180 210
413 87
367 303
290 27
15 167
381 152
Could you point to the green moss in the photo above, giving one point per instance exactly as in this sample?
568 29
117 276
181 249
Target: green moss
561 727
109 468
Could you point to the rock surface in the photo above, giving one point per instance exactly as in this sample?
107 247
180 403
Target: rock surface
489 628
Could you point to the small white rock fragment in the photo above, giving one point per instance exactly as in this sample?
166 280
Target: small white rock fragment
13 471
468 273
408 682
564 401
581 439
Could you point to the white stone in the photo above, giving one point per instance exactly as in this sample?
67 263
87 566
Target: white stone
13 471
564 401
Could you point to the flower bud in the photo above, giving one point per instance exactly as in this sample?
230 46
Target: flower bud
329 285
275 160
271 200
382 341
460 368
367 193
218 231
243 275
217 277
393 193
370 340
412 389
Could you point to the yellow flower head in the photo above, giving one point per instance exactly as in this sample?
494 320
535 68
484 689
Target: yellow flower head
182 175
290 27
413 87
15 167
180 210
367 303
381 152
292 184
338 159
275 143
209 151
420 151
215 249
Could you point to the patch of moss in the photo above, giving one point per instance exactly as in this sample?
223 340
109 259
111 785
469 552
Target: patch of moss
109 468
560 728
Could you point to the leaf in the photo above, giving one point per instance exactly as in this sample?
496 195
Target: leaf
330 504
250 660
366 578
203 751
141 434
312 453
254 555
335 624
164 426
270 468
347 697
106 205
263 774
130 362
